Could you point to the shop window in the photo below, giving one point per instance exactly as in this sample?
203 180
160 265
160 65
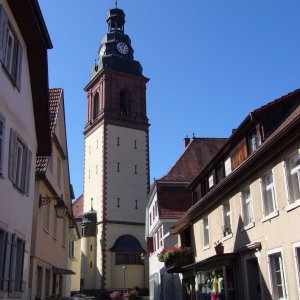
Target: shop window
227 229
205 232
277 276
292 166
19 162
268 194
247 211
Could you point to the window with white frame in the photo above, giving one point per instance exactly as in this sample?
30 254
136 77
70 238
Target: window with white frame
205 232
226 218
293 178
297 263
19 162
277 276
228 167
71 248
268 194
11 50
247 211
211 181
1 142
12 249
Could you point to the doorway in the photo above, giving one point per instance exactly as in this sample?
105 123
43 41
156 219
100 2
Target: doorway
253 279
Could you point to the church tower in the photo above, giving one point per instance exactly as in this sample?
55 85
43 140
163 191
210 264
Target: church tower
116 165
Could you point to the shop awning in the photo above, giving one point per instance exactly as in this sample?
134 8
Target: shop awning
60 271
212 262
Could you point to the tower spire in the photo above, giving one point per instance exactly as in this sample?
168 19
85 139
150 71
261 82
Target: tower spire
116 3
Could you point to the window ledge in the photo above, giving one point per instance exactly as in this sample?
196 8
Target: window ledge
205 247
227 237
270 216
247 227
292 206
46 230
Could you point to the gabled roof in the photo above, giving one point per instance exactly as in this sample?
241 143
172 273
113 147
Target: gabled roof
194 159
55 98
173 198
77 207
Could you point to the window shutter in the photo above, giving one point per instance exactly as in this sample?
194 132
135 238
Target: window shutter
23 170
12 273
3 36
3 238
150 247
28 169
8 249
19 66
1 143
12 172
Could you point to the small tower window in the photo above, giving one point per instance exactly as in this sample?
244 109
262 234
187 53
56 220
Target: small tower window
96 106
125 103
118 167
135 169
136 204
135 144
118 141
118 202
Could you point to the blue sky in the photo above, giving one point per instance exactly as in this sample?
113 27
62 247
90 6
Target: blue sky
210 62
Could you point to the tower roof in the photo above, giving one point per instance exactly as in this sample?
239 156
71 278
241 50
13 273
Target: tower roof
115 51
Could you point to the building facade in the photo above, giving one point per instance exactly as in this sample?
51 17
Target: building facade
50 273
243 224
24 131
169 199
116 166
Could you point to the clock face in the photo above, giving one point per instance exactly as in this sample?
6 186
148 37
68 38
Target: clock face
122 48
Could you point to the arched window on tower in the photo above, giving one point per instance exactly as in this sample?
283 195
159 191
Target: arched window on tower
125 102
96 106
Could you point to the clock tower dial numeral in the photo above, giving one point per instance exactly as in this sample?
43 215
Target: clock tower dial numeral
122 48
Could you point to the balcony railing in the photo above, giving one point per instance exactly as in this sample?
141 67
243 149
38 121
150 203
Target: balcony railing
178 260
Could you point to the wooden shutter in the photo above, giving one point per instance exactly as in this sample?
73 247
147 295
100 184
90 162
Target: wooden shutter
3 237
1 142
19 66
8 249
27 172
150 247
12 171
3 33
12 272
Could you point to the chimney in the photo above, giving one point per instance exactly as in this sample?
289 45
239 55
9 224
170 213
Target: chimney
186 141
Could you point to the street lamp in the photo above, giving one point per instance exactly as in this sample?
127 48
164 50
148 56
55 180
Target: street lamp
124 269
60 207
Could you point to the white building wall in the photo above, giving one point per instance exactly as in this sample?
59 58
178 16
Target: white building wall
17 109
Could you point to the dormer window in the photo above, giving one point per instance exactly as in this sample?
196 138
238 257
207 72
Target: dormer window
253 141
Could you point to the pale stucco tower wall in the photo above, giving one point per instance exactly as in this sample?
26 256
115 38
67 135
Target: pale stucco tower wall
116 167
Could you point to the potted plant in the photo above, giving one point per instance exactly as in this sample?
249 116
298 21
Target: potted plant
130 295
219 247
116 295
227 229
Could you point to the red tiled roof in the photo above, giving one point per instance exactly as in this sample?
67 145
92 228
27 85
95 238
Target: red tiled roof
55 97
195 157
77 207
